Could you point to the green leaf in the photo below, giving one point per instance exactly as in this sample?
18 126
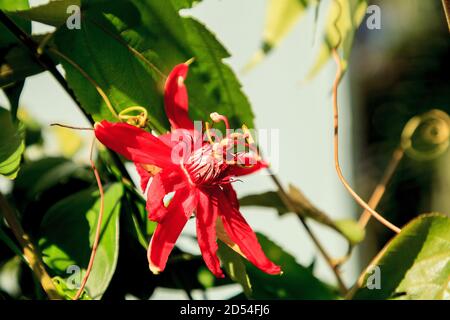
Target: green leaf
53 13
7 37
16 64
346 15
414 265
68 231
184 4
66 292
10 243
205 277
296 282
155 29
43 174
12 145
137 222
234 267
351 230
13 93
269 199
281 17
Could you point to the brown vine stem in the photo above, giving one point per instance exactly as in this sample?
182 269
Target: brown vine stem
446 5
378 193
30 252
98 229
347 186
291 206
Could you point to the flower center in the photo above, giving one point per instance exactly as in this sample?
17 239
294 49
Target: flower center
203 166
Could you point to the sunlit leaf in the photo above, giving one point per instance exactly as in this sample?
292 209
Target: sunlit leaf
12 145
67 234
414 265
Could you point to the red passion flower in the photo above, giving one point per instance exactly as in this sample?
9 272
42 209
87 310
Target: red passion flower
198 172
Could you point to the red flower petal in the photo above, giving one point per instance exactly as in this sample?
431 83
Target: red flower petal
168 231
133 143
176 98
241 233
162 184
144 174
206 215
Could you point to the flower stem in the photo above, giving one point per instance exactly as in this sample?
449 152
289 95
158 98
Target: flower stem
30 252
290 205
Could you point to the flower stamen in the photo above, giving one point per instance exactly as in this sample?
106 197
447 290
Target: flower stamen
216 117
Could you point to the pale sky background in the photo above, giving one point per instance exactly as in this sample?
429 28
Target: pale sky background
281 100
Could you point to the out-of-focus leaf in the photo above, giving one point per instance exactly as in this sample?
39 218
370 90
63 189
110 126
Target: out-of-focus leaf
12 145
414 265
33 130
269 199
348 228
66 292
281 17
16 64
69 141
165 38
296 282
53 13
43 174
343 20
6 37
351 230
10 243
205 277
68 231
234 266
13 93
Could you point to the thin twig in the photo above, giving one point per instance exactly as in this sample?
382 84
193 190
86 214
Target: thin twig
378 193
70 127
30 252
291 206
